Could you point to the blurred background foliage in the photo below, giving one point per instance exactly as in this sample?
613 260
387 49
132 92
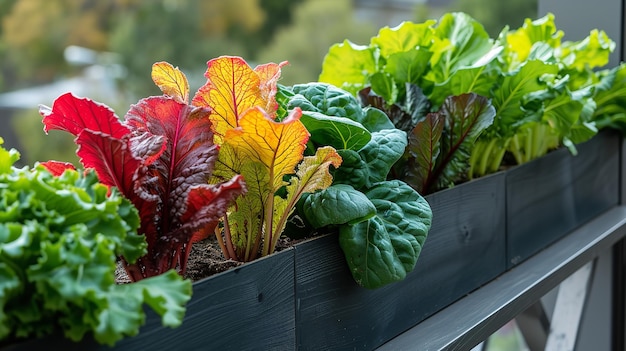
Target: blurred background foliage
133 34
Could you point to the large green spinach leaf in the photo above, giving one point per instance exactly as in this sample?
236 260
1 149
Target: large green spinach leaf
385 248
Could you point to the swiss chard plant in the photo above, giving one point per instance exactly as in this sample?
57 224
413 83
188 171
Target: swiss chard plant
263 145
60 233
382 223
440 145
160 157
541 87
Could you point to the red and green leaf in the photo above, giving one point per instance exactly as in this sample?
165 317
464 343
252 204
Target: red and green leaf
271 151
423 151
278 146
254 144
441 144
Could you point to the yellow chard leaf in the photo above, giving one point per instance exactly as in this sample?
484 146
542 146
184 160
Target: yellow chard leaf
312 175
171 81
269 74
276 145
232 88
313 172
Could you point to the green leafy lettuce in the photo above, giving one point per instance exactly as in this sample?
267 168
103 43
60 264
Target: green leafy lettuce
59 239
542 88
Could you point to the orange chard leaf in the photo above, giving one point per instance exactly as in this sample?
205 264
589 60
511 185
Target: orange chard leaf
171 81
269 74
279 146
233 87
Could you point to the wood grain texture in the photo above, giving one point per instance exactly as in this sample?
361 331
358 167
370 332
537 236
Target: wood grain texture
465 249
551 196
247 308
496 303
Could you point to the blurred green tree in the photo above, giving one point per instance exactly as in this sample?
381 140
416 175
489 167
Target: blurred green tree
189 33
316 25
36 146
36 32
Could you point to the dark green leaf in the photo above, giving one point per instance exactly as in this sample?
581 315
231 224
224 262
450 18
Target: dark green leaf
374 161
337 204
332 115
338 132
385 248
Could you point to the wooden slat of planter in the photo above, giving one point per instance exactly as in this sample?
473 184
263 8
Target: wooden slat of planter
551 196
474 318
464 250
250 307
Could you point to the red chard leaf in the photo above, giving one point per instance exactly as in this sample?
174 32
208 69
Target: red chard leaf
110 157
161 158
206 205
56 168
73 115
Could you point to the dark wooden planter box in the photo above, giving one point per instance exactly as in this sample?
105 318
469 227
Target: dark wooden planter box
465 249
246 308
305 298
549 197
249 307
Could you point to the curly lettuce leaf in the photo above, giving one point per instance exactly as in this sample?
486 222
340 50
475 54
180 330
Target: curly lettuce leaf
7 158
385 248
59 239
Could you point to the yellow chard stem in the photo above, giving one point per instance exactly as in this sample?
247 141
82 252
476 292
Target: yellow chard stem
229 240
220 241
268 234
